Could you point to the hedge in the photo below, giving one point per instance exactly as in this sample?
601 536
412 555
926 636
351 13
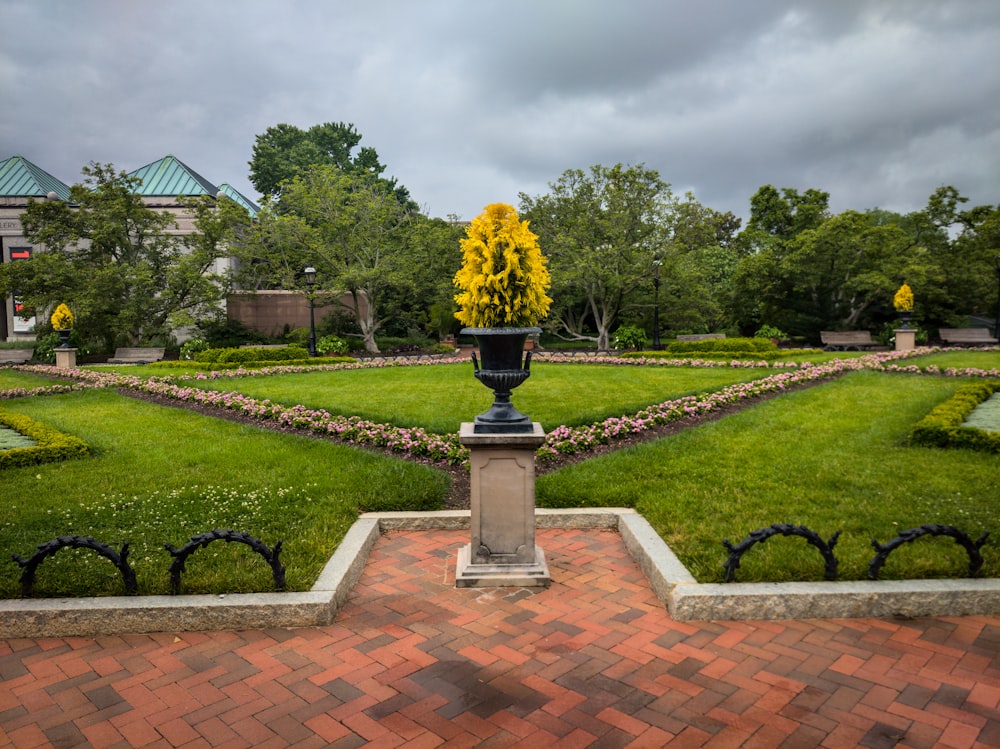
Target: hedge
202 366
251 355
50 444
723 346
943 426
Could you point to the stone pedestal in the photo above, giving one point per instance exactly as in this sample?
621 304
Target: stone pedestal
65 358
905 339
503 551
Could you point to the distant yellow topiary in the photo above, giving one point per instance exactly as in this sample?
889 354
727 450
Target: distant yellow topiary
503 280
62 318
903 301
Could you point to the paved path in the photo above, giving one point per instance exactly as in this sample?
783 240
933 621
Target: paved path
593 661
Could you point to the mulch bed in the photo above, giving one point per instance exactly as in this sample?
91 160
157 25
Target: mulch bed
459 491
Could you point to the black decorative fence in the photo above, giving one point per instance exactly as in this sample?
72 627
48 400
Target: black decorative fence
759 536
120 559
49 549
736 552
930 529
202 540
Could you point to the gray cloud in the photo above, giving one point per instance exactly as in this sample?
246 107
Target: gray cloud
877 102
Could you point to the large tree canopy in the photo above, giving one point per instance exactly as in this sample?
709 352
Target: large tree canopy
600 231
347 226
120 266
283 152
805 270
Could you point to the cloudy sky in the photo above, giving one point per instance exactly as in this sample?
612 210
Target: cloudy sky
469 102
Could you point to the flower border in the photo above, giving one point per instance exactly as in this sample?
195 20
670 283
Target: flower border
418 444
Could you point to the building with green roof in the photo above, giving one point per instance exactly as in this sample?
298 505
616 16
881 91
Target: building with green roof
161 184
21 181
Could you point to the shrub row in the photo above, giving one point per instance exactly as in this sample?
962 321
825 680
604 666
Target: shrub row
200 366
942 427
251 355
766 356
723 346
50 445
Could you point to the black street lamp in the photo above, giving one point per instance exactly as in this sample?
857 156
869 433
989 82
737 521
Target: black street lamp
310 277
656 302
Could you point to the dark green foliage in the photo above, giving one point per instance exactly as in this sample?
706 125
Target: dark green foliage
251 355
50 444
942 427
45 346
223 332
723 346
629 337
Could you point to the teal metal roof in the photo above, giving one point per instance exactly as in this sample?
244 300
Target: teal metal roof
19 178
170 177
230 192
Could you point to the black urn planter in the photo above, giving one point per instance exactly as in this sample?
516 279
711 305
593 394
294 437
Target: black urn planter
502 351
64 338
905 318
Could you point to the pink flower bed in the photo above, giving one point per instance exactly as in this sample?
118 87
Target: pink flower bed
417 443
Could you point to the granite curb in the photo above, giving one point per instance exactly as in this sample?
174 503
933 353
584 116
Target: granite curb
681 594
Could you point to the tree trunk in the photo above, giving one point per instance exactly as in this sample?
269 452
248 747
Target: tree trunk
364 313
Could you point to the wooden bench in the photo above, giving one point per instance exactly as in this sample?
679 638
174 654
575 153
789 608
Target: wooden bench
846 340
966 336
700 336
136 355
16 355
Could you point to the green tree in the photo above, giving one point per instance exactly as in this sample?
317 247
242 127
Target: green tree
353 231
759 291
699 263
434 256
120 266
600 231
976 259
283 152
846 270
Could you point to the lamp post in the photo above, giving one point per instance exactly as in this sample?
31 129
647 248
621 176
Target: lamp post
310 277
656 301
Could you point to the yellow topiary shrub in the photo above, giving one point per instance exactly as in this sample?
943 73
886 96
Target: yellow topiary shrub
903 301
503 279
62 318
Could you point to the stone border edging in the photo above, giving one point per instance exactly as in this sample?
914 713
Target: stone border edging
683 596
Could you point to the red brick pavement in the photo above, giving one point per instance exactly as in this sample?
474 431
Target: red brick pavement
593 661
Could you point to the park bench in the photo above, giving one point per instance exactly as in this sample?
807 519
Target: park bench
143 355
846 340
16 355
966 336
700 336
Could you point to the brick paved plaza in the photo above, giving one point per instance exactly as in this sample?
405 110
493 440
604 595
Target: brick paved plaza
593 661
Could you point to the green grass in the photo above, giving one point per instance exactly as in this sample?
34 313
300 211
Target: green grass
161 475
968 359
11 379
440 397
832 457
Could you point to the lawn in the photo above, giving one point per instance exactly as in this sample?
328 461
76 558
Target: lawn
11 379
160 475
964 359
440 397
832 457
